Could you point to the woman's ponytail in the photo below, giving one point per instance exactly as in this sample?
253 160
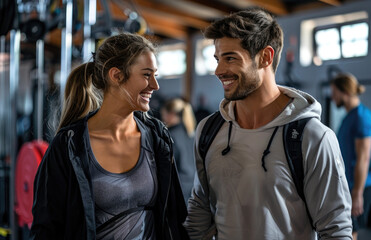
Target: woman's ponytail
183 110
188 119
80 96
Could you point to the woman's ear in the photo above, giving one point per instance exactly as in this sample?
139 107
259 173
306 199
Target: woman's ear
115 76
266 57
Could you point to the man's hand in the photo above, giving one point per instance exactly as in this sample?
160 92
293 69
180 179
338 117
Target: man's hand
357 204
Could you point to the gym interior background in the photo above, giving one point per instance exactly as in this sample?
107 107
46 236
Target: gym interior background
42 40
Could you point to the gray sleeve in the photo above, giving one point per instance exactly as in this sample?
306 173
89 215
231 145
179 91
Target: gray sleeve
325 185
199 222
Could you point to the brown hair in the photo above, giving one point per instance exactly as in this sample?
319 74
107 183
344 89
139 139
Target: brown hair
87 82
347 83
255 27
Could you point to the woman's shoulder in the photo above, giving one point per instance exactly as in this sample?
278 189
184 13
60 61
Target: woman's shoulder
158 130
153 123
74 131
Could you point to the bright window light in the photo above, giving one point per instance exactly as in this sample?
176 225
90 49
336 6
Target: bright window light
355 40
354 32
309 41
328 36
210 61
329 52
342 41
205 61
328 46
171 61
357 48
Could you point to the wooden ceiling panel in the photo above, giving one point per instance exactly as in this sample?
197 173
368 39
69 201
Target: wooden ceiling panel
276 7
222 6
164 11
163 25
332 2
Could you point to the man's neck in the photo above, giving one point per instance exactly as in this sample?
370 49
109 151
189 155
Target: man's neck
352 103
256 111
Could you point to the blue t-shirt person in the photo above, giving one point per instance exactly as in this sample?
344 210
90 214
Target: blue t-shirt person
355 125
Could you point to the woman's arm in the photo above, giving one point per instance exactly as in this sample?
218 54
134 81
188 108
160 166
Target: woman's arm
50 192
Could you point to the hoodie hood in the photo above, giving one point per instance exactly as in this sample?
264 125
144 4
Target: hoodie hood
302 105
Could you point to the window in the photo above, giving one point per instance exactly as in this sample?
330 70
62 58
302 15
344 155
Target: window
328 44
341 41
354 40
171 60
334 37
205 61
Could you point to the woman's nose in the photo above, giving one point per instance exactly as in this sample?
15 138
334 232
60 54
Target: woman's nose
154 84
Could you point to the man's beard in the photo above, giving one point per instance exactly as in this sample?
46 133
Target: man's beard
247 84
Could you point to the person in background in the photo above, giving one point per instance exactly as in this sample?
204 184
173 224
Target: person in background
179 118
246 189
108 173
355 143
201 111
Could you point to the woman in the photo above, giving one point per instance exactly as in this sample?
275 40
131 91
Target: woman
179 118
109 171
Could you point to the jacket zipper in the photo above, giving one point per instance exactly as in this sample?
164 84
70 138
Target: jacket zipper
168 191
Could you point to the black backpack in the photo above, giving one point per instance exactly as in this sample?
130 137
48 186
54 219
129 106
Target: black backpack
292 138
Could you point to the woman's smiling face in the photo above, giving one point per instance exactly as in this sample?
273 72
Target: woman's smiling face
142 81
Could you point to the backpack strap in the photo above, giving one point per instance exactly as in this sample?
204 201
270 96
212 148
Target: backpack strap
208 133
292 139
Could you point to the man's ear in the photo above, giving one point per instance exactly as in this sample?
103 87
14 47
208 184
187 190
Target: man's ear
266 57
115 76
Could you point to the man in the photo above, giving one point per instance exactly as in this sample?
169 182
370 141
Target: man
241 195
355 143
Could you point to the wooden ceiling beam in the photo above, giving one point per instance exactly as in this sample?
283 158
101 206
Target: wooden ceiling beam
114 9
170 12
227 9
148 13
168 32
164 26
332 2
274 6
308 7
155 20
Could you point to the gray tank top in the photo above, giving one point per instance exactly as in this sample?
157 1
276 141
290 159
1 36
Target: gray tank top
129 196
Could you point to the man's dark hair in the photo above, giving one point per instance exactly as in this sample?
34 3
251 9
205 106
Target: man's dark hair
255 27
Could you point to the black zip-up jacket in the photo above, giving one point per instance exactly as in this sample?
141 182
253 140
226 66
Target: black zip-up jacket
63 205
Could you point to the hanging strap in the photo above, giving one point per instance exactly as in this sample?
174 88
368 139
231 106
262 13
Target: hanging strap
228 148
266 151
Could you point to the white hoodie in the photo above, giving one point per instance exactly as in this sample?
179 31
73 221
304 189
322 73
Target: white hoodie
245 202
